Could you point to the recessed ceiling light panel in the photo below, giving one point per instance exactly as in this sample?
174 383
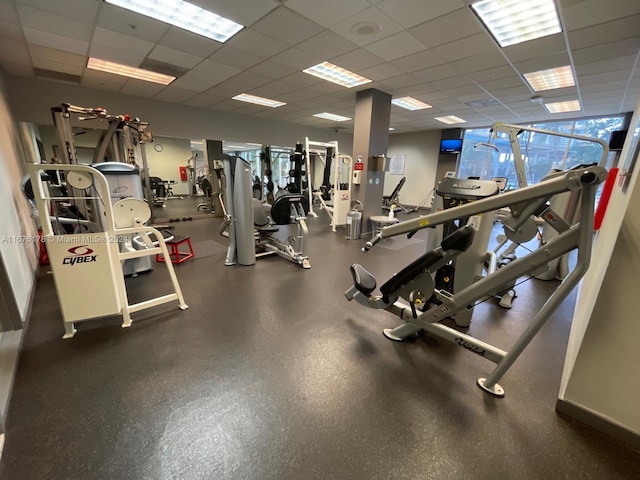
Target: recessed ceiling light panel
410 103
127 71
549 79
184 15
516 21
332 116
450 119
267 102
562 107
333 73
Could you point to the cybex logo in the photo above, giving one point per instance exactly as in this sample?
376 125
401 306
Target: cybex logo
80 254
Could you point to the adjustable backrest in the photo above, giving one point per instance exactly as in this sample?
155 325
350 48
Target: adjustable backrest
281 208
396 190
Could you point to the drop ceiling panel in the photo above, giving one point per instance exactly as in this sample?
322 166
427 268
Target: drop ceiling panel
296 59
16 68
8 12
515 94
619 75
447 28
543 63
617 63
57 42
204 100
255 43
59 56
409 13
381 72
205 75
189 42
118 56
481 62
244 13
396 46
418 61
370 16
605 33
472 46
453 82
272 70
174 94
52 23
540 47
139 88
357 60
11 30
130 23
235 58
629 46
14 52
83 10
174 57
326 45
603 87
301 80
47 64
436 73
102 84
120 41
330 12
490 85
592 12
287 26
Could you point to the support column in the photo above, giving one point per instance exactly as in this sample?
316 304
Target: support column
370 143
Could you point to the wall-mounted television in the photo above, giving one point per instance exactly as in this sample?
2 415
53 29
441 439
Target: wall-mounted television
616 142
451 145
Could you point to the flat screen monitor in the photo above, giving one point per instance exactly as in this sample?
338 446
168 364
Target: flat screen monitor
451 145
616 142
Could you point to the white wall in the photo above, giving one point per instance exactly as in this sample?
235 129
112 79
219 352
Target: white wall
601 366
421 152
175 153
20 259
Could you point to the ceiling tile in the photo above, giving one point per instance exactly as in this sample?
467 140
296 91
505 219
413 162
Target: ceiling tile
103 80
189 42
50 22
371 15
472 46
14 52
244 13
381 72
331 12
120 41
396 46
617 63
481 62
296 59
409 13
205 75
357 60
513 94
301 80
8 12
453 82
83 10
204 100
272 70
620 75
436 73
543 63
57 42
57 66
592 12
540 47
11 30
59 56
174 94
605 33
510 82
16 69
174 57
629 46
256 43
287 26
447 28
465 91
326 45
118 56
130 23
140 88
235 58
418 61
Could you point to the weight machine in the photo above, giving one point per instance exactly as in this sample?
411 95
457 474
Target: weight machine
411 290
91 265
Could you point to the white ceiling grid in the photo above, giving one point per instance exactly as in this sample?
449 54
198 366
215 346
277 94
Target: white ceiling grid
436 51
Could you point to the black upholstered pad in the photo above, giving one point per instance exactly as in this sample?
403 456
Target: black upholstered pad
409 272
362 279
460 240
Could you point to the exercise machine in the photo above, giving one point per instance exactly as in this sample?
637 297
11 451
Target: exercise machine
287 209
251 234
410 289
90 265
392 201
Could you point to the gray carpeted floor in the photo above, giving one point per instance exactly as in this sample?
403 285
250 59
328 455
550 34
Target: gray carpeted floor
272 374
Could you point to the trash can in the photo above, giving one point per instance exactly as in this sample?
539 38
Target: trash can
354 224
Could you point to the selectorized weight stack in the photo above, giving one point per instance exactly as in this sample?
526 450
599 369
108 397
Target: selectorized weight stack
467 267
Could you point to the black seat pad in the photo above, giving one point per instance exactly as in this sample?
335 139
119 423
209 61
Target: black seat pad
362 279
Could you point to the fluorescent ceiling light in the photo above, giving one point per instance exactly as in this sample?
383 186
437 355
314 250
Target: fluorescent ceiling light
450 119
331 116
549 79
333 73
184 15
561 107
410 103
267 102
127 71
516 21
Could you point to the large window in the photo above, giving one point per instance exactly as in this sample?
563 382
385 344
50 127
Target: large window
540 152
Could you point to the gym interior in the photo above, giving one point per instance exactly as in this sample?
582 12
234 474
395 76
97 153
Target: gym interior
368 239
